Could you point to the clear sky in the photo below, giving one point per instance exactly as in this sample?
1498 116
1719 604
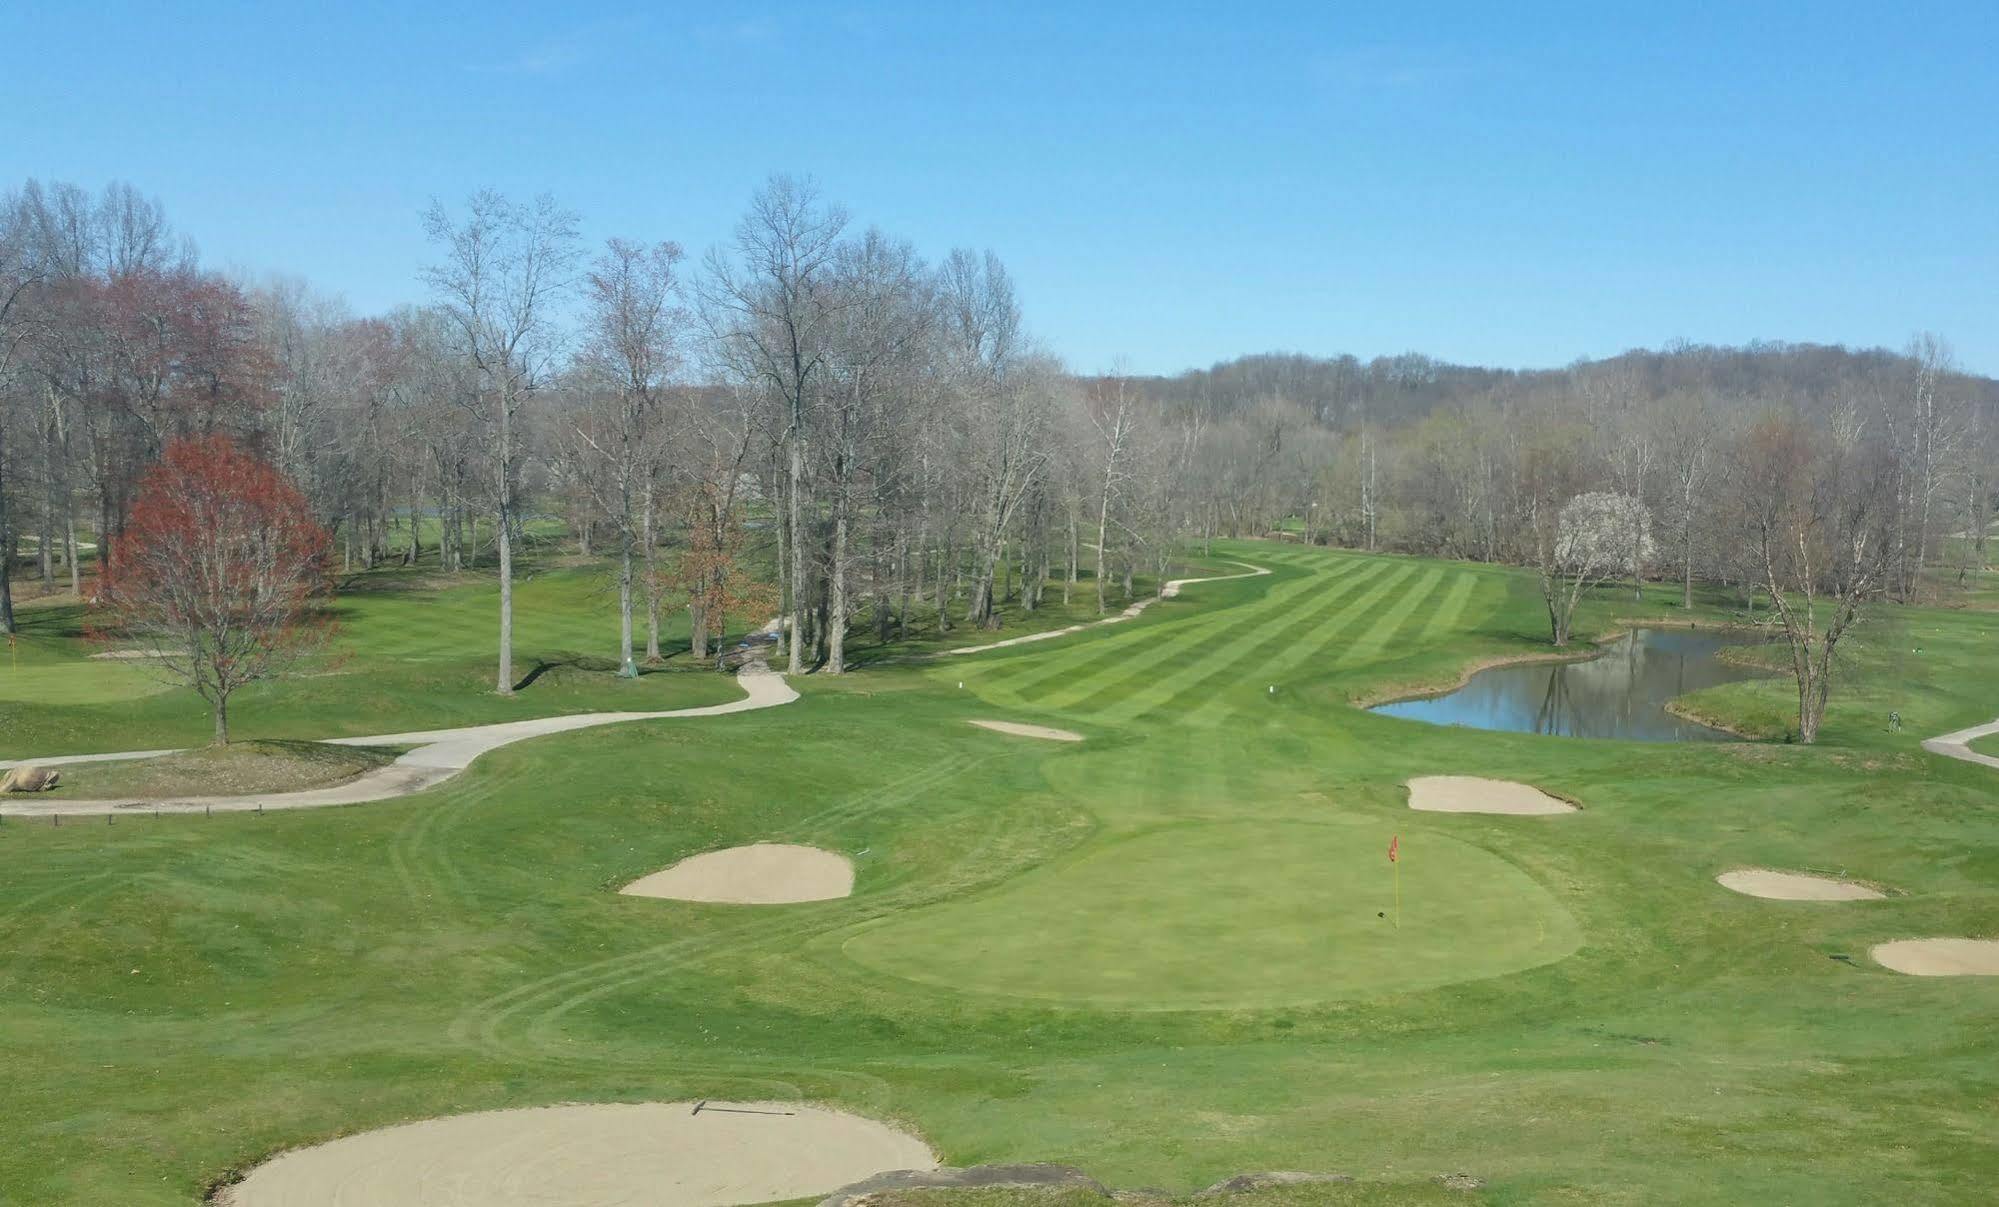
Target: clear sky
1169 184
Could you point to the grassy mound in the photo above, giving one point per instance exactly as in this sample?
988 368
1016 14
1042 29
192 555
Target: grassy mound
237 769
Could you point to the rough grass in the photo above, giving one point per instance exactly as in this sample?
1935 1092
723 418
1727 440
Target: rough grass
186 996
233 770
1321 1194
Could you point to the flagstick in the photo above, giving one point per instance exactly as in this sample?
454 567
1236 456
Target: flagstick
1398 894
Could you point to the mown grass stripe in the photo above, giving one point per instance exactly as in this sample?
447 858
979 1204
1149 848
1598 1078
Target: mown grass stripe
1280 635
1107 672
1446 617
1227 660
1104 663
1221 703
1022 674
1382 631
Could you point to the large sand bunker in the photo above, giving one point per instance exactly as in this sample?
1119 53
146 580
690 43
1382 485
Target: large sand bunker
1030 731
1794 886
1940 957
1470 794
669 1154
763 873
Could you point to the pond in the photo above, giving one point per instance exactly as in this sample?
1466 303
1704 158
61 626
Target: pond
1621 693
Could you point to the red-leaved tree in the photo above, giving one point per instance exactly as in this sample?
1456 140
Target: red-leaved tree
216 570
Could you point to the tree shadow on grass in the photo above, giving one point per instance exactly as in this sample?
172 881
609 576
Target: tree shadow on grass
593 664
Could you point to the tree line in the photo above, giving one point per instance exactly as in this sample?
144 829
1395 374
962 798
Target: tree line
812 421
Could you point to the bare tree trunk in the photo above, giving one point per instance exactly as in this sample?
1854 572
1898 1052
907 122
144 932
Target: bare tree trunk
6 545
69 540
836 621
1069 584
504 679
650 542
1103 530
505 543
944 558
797 551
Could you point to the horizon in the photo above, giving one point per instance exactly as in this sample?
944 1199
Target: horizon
1170 194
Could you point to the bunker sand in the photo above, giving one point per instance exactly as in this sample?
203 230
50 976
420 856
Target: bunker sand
764 873
657 1153
1940 957
1030 731
1471 794
1794 886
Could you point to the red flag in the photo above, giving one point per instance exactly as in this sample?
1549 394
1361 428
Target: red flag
1393 844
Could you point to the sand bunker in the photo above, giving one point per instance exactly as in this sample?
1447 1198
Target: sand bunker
666 1153
1030 731
764 873
1940 957
1794 886
1470 794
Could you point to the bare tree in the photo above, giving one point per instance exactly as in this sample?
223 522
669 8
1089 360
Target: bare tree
634 325
769 308
505 268
1113 414
1819 508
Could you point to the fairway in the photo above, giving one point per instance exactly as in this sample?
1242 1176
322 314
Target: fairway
1165 953
1237 915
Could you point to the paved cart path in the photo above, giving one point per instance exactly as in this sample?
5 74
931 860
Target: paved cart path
1957 745
439 755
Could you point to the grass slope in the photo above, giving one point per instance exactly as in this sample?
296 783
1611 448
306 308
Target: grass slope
183 997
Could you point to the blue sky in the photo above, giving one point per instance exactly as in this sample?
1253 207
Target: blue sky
1169 184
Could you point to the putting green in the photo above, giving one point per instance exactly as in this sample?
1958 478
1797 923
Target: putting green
1232 915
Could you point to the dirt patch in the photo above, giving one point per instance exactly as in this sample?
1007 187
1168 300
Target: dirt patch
1794 886
1940 957
1471 794
673 1154
240 767
1030 731
763 873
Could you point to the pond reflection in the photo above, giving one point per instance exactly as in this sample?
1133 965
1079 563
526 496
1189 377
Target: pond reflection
1619 694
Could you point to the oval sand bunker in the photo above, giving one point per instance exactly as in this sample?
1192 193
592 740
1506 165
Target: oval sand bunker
1793 886
763 873
1030 731
665 1153
1470 794
1940 957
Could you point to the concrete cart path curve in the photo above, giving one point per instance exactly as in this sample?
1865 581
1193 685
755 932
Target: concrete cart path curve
1958 745
1168 591
439 755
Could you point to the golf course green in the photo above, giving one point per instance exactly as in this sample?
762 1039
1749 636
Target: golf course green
1166 954
1232 914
